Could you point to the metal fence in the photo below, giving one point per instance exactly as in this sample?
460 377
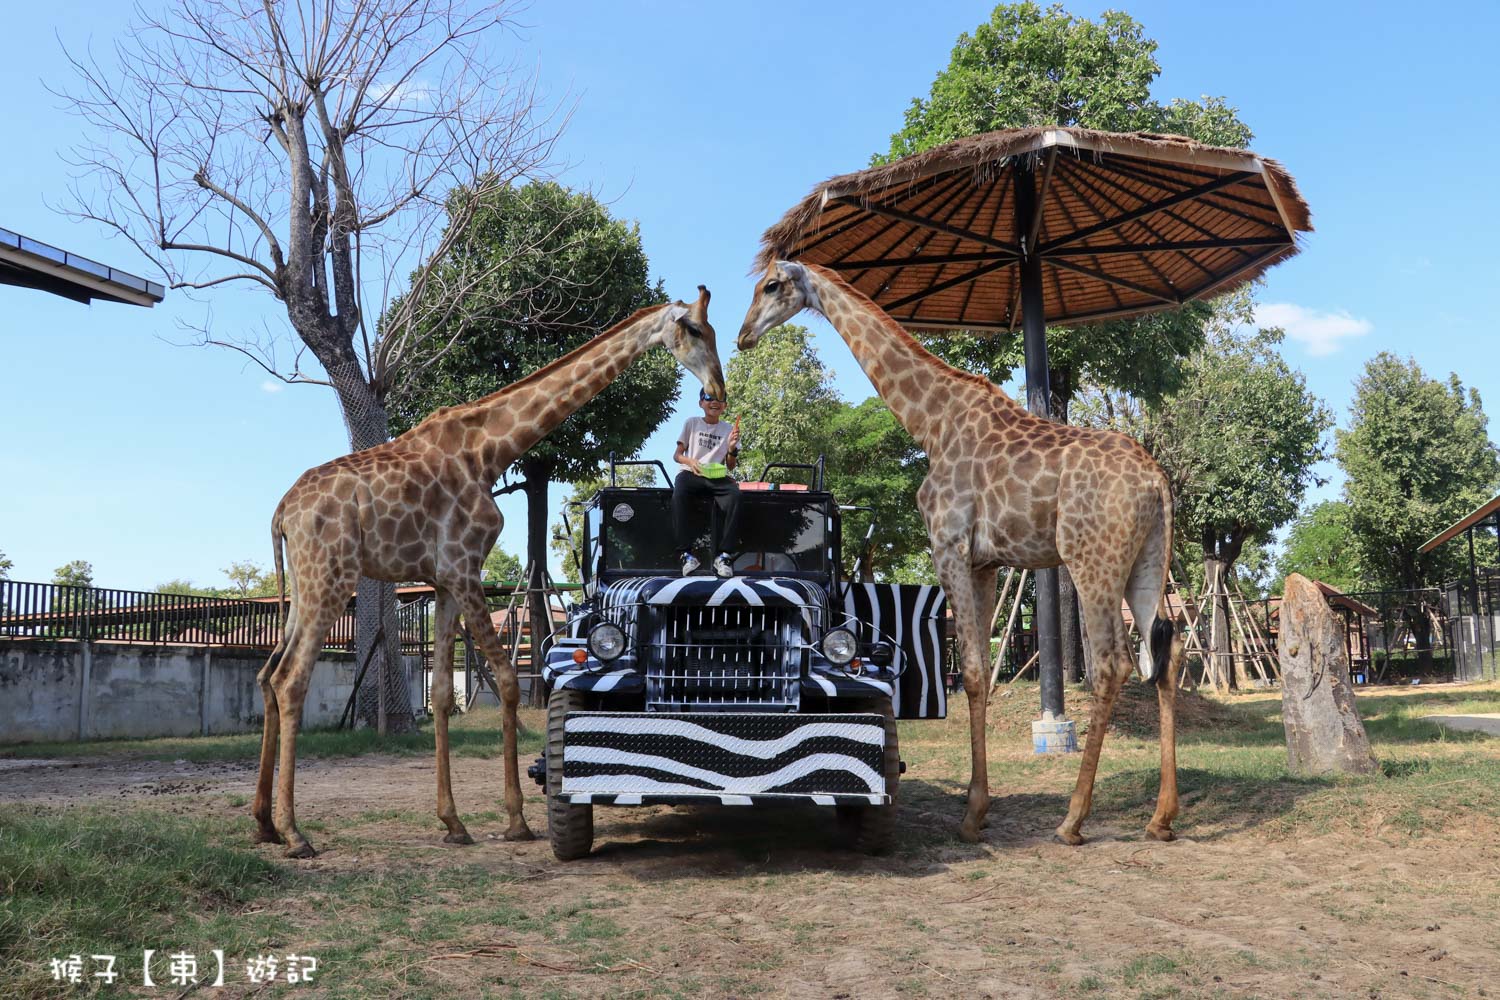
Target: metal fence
97 614
1472 609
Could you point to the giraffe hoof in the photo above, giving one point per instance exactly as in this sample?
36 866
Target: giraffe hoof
968 832
459 838
301 851
520 831
1161 833
1068 837
266 835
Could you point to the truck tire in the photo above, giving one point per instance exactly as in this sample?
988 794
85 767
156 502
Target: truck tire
570 827
871 829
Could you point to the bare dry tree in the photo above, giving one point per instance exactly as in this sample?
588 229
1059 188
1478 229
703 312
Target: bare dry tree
331 152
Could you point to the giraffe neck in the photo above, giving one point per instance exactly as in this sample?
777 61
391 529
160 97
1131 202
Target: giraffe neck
923 391
502 426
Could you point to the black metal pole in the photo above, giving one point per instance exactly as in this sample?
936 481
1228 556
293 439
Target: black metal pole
1039 402
1479 630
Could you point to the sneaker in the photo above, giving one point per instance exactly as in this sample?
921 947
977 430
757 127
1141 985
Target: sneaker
689 563
722 565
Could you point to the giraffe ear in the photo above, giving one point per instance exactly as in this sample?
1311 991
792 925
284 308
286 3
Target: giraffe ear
699 310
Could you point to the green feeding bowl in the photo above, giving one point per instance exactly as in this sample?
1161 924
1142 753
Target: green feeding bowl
714 470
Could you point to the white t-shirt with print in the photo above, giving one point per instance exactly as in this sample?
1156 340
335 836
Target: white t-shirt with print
705 442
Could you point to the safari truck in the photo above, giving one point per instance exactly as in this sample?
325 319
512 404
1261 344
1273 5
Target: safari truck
780 685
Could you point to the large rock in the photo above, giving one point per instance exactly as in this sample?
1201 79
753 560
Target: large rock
1323 731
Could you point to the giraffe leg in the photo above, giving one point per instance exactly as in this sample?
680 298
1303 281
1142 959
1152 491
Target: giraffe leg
290 690
959 582
445 622
1160 827
1160 643
984 612
476 615
1112 664
260 807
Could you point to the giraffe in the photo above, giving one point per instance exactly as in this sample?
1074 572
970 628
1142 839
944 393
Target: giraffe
420 508
1006 488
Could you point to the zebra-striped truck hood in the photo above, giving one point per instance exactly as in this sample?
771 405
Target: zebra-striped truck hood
908 616
712 592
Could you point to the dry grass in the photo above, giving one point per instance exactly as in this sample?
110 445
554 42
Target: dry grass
1381 887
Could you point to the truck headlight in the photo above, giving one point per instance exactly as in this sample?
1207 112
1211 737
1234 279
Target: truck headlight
606 641
838 646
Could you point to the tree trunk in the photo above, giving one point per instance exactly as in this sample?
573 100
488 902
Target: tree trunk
537 473
1220 549
1421 634
1220 663
1070 630
375 600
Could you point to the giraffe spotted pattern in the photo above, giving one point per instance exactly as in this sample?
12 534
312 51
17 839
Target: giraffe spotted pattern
1006 488
419 508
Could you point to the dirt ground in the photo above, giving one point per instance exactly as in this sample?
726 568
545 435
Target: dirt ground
730 902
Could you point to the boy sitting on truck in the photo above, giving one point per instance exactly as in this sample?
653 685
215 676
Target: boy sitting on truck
707 449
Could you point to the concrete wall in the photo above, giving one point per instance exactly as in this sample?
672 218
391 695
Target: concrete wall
69 691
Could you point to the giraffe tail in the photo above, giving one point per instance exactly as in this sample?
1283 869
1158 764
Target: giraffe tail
278 543
1163 639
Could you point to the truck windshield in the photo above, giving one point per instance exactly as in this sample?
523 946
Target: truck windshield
780 532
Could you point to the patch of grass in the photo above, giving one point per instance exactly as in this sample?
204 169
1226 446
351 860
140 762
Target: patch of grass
84 882
1147 965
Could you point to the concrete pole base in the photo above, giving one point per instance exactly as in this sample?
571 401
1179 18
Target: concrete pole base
1053 735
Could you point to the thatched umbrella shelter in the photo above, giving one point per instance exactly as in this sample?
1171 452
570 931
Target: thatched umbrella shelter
1026 227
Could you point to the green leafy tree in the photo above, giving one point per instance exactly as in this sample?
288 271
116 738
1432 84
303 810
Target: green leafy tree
873 462
78 573
581 271
5 567
783 395
1320 545
790 412
1031 66
1416 457
187 587
1240 441
249 579
502 566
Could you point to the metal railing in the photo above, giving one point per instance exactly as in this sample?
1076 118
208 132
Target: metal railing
98 614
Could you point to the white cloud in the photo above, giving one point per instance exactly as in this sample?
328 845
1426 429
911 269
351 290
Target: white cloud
1319 332
406 92
272 386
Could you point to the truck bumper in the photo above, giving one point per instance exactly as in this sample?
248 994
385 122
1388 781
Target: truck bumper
659 758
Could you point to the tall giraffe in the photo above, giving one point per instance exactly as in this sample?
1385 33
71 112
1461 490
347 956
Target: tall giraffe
1006 488
420 508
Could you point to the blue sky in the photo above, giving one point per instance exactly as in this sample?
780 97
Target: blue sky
704 122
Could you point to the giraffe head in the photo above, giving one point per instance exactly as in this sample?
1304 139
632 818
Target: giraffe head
783 293
688 334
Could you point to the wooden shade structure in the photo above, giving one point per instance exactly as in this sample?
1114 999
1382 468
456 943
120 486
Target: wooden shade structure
1026 227
1122 224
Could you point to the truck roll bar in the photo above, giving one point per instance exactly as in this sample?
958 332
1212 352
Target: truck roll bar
614 465
815 468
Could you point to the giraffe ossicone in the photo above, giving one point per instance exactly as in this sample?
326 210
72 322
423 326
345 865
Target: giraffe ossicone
1006 488
419 507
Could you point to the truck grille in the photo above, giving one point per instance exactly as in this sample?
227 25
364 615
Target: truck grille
745 659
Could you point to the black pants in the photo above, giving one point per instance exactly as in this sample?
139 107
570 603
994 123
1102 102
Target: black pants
726 510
